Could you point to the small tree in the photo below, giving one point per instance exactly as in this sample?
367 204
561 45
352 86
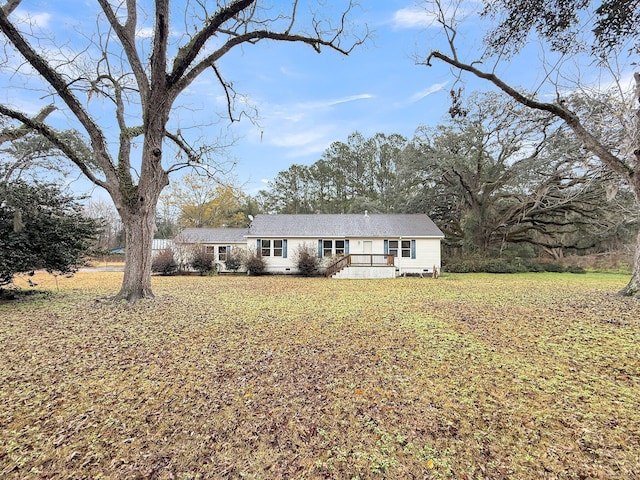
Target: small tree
164 263
306 259
255 263
202 261
41 228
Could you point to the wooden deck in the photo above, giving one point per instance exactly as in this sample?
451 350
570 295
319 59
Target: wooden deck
360 260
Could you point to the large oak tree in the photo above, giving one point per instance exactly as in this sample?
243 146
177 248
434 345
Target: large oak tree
603 35
142 78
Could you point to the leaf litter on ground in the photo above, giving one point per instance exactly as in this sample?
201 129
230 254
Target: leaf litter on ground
469 376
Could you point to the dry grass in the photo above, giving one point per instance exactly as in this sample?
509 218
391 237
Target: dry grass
467 377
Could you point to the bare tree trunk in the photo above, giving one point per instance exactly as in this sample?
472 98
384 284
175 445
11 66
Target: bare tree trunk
138 230
633 287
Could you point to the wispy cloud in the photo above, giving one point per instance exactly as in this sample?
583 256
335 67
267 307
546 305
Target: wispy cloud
322 104
436 87
298 139
301 127
352 98
413 17
145 32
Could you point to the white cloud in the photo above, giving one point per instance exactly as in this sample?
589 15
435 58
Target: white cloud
427 91
145 32
321 104
300 139
413 17
352 98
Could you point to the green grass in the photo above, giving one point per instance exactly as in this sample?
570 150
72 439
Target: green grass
473 376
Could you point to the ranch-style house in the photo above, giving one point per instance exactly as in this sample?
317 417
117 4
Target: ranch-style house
351 245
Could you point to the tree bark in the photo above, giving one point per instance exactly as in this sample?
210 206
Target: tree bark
633 287
138 232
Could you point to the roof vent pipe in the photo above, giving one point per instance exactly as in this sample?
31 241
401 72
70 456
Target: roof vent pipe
366 214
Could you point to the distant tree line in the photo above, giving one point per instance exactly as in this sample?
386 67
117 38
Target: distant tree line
496 179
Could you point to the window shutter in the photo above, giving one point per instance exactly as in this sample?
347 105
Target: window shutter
284 248
320 248
259 247
413 249
386 247
346 247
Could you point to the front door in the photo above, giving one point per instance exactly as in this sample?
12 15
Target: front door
367 245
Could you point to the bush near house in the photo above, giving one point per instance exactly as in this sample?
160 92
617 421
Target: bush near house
234 260
306 260
164 263
202 262
255 263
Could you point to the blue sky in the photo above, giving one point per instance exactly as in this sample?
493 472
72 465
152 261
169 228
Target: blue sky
304 100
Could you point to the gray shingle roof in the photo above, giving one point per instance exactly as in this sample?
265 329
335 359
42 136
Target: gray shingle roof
344 225
212 235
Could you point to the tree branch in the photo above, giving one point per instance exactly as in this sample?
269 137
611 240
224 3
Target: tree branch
127 35
253 37
9 135
570 118
98 142
10 6
50 134
187 54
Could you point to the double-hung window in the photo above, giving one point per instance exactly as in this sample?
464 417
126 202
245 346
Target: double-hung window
400 248
393 247
328 248
405 248
273 247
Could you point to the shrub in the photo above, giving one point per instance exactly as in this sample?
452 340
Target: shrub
575 269
553 267
532 266
500 266
164 263
464 265
491 265
255 264
234 260
306 259
202 262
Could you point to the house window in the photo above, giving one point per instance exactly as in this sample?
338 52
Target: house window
209 249
273 248
222 253
277 248
334 247
400 248
265 250
327 248
406 248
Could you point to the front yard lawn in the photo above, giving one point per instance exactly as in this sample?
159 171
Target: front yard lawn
469 377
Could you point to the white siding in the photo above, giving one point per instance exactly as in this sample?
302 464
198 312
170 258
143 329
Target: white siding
427 254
